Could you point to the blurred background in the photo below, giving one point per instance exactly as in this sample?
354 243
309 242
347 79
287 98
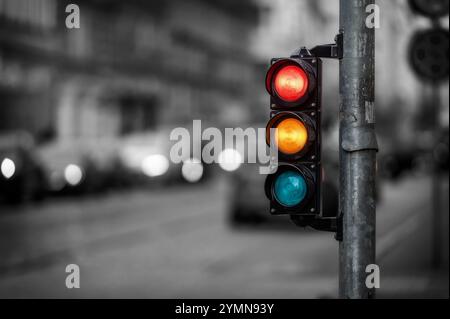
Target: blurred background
85 119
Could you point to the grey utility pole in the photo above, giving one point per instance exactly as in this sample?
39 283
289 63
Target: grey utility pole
358 147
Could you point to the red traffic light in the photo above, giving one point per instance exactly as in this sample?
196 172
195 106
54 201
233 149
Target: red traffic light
289 82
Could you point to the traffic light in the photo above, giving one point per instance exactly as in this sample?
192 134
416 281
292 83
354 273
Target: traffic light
433 9
294 85
428 48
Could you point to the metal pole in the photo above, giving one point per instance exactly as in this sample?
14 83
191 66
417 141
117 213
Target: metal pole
436 249
358 147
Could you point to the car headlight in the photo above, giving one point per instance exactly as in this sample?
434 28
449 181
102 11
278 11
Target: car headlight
155 165
192 170
8 168
73 174
230 160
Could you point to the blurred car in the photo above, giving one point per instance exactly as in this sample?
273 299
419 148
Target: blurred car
248 202
78 166
419 155
69 168
394 165
147 155
22 176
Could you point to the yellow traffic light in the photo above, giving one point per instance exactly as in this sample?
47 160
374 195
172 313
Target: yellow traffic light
291 136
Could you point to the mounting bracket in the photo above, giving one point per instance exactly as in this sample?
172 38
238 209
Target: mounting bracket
328 224
330 51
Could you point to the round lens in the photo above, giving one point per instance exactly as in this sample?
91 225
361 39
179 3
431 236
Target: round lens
291 136
290 189
291 83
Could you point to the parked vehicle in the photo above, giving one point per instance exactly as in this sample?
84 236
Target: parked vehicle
22 178
140 159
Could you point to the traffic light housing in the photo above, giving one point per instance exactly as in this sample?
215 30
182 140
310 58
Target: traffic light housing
294 85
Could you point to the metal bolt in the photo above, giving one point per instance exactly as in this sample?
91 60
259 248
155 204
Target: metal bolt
313 157
313 113
313 166
313 61
313 104
312 210
273 105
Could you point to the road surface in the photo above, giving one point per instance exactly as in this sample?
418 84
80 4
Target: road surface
176 243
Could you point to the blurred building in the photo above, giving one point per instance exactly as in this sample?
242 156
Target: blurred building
399 93
132 65
135 65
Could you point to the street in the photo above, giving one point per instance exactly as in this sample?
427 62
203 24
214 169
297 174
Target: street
176 243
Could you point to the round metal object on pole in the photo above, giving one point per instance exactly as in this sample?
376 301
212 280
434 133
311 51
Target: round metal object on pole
433 9
428 54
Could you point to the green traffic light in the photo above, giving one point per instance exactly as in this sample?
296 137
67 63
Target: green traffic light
290 188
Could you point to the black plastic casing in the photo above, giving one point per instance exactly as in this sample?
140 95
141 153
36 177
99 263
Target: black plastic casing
308 161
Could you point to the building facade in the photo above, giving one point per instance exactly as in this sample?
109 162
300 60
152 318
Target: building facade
132 66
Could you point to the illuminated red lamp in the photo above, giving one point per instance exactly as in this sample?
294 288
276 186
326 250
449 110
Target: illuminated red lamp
288 81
